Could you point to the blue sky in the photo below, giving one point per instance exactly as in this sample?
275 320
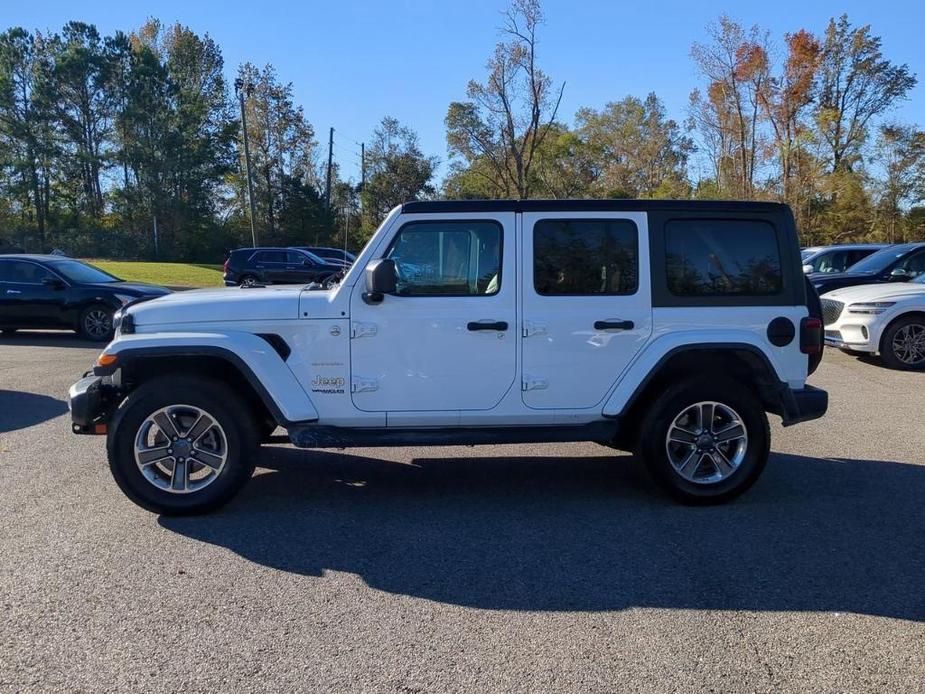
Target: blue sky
352 62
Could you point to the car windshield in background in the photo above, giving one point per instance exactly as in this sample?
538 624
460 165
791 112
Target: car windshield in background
317 260
82 273
882 259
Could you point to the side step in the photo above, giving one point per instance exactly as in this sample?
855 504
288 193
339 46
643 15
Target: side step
319 436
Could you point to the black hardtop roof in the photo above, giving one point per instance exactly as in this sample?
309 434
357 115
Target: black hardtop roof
616 205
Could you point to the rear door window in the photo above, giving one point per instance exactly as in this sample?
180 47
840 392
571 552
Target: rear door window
584 257
722 257
271 257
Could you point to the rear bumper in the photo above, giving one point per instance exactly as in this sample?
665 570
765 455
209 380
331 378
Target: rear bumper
90 401
803 405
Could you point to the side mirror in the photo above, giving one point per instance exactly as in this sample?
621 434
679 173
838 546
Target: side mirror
53 282
900 275
807 269
381 279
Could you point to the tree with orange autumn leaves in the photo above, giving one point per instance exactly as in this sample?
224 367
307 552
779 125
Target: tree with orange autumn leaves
800 132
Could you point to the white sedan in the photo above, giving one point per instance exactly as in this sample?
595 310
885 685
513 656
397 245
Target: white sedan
884 319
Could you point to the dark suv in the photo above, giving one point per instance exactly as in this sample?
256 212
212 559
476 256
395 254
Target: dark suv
250 266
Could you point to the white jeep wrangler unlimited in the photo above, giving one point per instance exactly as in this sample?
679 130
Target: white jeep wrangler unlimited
665 328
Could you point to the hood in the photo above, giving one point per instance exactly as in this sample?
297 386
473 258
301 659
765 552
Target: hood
220 304
133 288
878 292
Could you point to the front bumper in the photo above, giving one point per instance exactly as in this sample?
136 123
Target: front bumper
803 405
91 401
832 340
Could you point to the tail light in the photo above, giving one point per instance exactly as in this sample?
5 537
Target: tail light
225 266
811 337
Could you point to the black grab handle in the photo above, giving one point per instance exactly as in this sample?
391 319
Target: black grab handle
613 325
498 325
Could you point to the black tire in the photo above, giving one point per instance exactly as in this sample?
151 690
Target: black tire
228 410
653 447
90 328
889 354
248 280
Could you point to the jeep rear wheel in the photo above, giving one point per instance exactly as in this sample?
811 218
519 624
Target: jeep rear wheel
182 445
705 441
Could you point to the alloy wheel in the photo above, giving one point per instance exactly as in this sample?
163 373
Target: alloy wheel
180 449
97 323
706 442
909 344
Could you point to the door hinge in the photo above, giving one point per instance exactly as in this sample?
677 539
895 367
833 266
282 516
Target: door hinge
533 383
358 384
359 329
531 328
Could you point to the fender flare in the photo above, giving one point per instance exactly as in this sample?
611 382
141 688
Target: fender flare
652 359
255 358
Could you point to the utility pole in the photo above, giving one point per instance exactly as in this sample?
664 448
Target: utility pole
156 249
327 189
240 88
362 165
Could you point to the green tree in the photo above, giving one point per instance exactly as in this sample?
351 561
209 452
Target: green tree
282 145
82 106
856 84
507 117
397 171
901 153
636 149
24 126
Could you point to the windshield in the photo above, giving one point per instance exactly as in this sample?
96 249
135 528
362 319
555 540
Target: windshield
82 273
314 258
882 259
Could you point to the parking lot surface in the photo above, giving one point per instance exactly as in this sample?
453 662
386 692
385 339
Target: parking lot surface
506 568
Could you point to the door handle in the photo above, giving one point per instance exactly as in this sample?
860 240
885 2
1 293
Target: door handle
614 325
495 325
13 291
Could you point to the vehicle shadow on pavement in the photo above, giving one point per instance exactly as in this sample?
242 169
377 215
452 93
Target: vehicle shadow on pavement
19 409
549 533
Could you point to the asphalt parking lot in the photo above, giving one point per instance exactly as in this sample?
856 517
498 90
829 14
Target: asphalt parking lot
523 569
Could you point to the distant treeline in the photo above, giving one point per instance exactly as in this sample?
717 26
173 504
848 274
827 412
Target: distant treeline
104 139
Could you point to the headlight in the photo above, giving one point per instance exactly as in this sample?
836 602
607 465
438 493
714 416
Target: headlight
124 298
871 308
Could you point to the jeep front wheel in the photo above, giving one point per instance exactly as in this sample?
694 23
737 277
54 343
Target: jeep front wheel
705 441
182 446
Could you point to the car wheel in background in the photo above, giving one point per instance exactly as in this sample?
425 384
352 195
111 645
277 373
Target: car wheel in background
903 344
96 323
248 281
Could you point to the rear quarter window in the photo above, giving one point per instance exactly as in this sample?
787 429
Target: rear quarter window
722 257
